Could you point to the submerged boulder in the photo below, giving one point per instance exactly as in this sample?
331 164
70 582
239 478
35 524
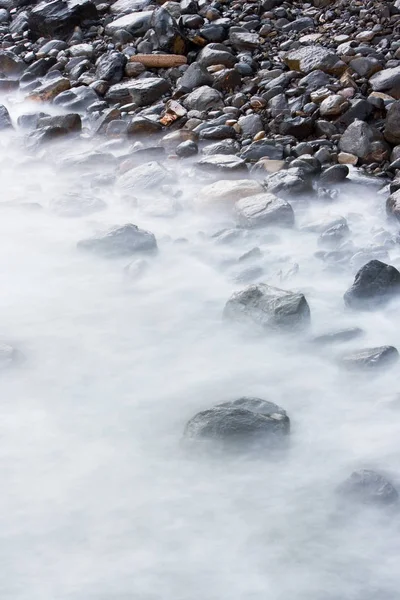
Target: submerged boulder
371 358
120 241
269 308
244 424
368 487
374 284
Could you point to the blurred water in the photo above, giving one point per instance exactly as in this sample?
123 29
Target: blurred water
99 500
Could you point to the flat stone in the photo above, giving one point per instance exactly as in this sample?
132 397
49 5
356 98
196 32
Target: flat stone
228 192
371 358
222 162
203 99
140 91
264 210
136 23
50 90
268 308
388 81
310 58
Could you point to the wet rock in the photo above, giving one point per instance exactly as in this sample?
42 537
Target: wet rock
110 67
374 284
10 64
145 177
393 205
228 146
365 66
58 18
203 99
140 91
77 99
222 162
334 174
368 487
186 149
262 149
342 335
244 39
227 80
166 36
269 308
49 90
387 81
219 132
120 241
5 119
334 235
371 358
227 191
244 424
136 23
141 125
333 106
392 123
364 141
288 183
194 77
216 54
311 58
263 210
250 125
71 122
298 127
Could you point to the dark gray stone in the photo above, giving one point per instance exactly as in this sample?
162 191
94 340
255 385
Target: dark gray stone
186 149
334 174
58 18
342 335
120 241
228 146
140 91
216 54
110 67
243 424
203 99
262 149
77 99
359 138
269 308
288 183
392 123
374 284
194 77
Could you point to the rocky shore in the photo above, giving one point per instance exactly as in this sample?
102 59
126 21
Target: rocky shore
261 86
272 103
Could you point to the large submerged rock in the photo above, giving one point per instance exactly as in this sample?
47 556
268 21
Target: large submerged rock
269 308
370 358
243 424
120 241
374 284
368 487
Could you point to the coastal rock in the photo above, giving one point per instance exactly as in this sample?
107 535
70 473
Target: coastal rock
244 424
268 308
374 284
120 241
262 210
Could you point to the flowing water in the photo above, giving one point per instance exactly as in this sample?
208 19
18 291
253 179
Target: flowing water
99 499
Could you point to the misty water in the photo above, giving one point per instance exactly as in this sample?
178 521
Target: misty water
99 499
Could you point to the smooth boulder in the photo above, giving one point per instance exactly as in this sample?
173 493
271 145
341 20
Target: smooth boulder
269 308
243 424
374 284
120 241
368 487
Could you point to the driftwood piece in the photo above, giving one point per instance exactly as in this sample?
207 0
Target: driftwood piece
159 61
